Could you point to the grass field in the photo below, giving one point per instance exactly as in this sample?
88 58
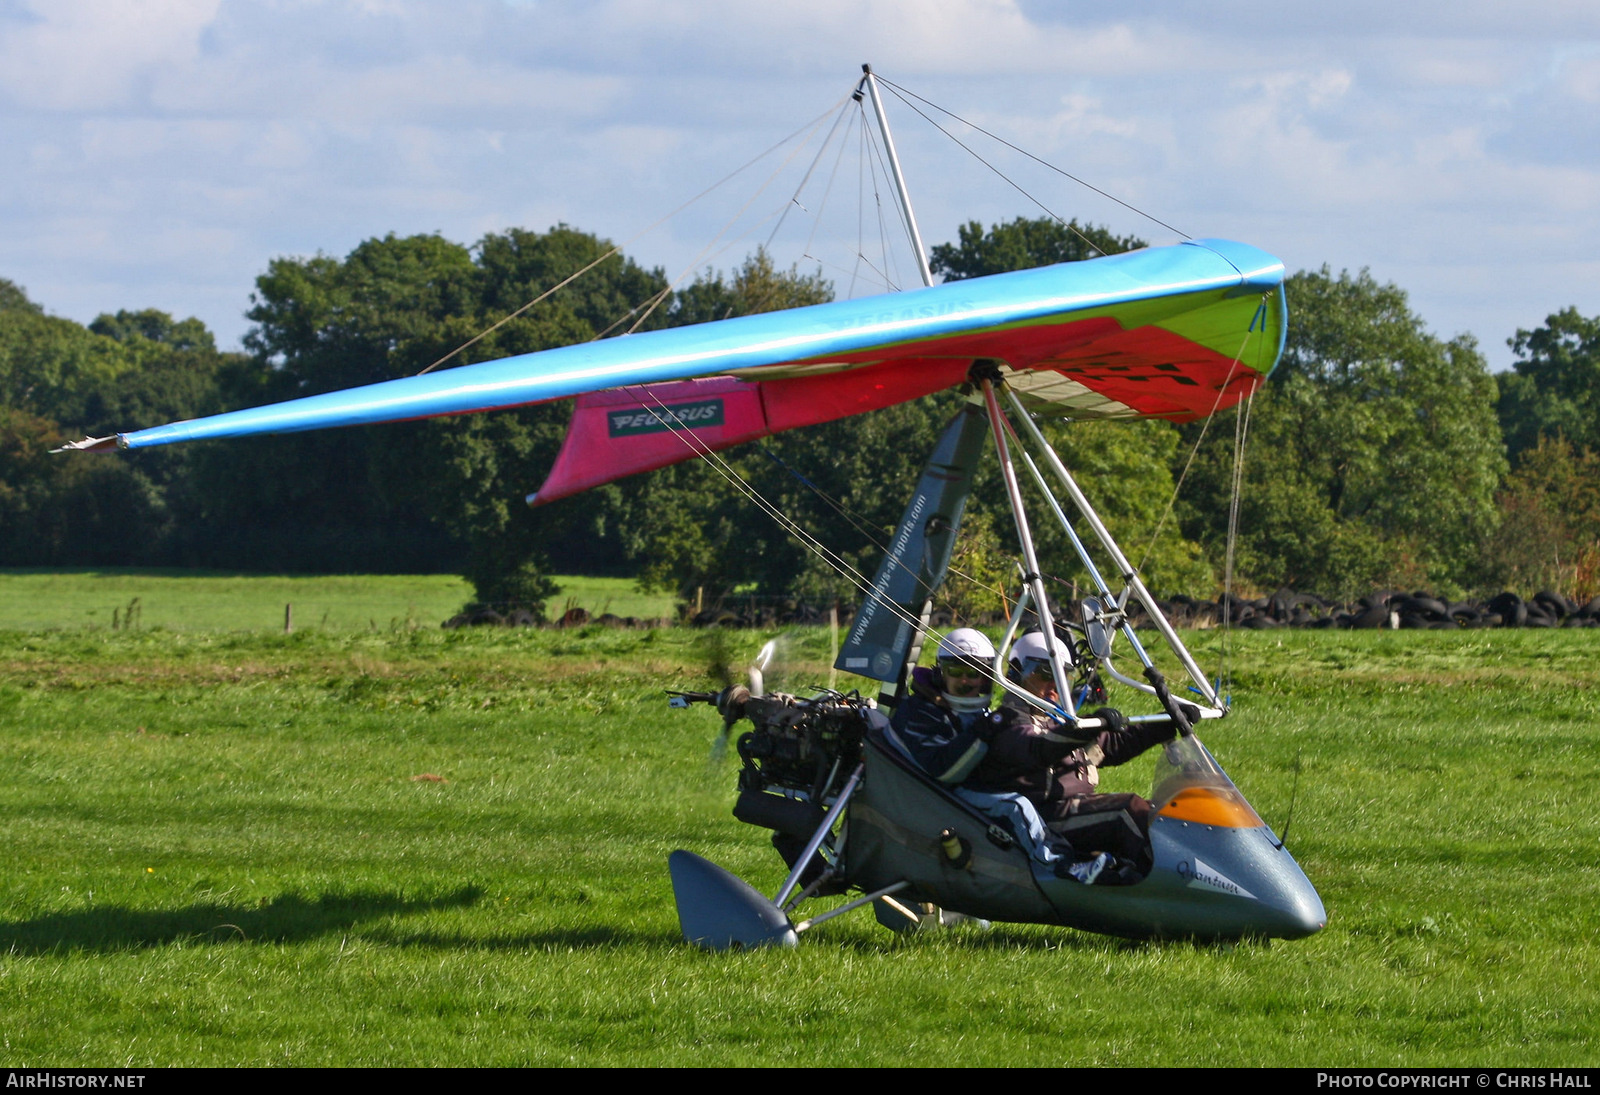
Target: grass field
179 600
232 848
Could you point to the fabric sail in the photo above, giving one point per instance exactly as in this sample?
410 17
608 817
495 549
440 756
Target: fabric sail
1172 332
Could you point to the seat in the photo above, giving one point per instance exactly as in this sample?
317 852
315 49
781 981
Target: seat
892 833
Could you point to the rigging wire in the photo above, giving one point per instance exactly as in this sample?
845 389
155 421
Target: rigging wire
861 205
859 522
617 248
695 262
1241 430
834 561
782 212
821 149
897 89
1071 226
880 159
1205 425
816 220
655 300
874 162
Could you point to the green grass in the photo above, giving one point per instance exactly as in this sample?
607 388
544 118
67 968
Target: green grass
181 600
219 853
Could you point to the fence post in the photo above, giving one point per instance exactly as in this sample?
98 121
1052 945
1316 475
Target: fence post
833 646
288 618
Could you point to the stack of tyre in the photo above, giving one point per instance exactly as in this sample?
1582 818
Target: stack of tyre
1385 609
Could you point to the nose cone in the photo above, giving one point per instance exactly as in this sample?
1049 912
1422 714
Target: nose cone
1291 904
1226 882
1304 914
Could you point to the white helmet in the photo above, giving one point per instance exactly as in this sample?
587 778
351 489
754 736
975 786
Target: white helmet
1028 654
966 661
967 643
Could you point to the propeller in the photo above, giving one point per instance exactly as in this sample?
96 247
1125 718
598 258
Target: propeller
731 698
758 668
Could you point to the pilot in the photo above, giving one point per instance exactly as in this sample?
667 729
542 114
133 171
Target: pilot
1058 771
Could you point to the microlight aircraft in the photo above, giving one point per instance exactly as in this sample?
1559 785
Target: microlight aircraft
1177 332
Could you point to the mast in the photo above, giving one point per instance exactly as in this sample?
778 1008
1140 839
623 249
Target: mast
870 81
892 692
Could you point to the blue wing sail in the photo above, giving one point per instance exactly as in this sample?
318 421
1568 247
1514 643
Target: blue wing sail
1150 332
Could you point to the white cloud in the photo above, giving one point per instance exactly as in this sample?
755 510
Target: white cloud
160 154
92 54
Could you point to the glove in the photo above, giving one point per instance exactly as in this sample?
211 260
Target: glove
1115 721
1068 737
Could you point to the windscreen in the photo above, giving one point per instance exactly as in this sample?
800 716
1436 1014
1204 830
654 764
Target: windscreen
1191 786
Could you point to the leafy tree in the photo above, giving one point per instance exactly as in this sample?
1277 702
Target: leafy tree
1550 535
757 286
517 265
155 328
59 380
983 574
326 324
28 481
846 482
14 299
449 488
1124 467
1374 452
1022 244
1554 386
54 367
445 493
173 371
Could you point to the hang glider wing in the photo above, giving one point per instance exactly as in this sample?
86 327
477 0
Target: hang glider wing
1170 332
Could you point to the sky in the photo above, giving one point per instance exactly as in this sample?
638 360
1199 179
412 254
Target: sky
160 153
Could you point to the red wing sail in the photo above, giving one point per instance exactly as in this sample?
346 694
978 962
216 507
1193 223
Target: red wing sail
1092 368
648 426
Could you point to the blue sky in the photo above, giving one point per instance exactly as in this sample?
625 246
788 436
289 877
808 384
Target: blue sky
159 154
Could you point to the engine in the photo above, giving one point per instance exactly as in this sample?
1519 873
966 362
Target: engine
801 747
796 759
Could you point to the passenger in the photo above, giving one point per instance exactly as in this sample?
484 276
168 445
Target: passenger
1058 772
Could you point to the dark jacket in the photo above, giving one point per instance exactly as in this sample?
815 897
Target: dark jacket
1025 753
944 744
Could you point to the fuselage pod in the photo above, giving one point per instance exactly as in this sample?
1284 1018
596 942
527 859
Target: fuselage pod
1219 872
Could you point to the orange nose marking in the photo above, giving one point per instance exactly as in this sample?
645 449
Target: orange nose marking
1212 806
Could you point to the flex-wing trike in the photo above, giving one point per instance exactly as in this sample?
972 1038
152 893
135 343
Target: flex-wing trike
852 812
1177 332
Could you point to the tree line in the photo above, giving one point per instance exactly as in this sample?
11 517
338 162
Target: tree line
1379 454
